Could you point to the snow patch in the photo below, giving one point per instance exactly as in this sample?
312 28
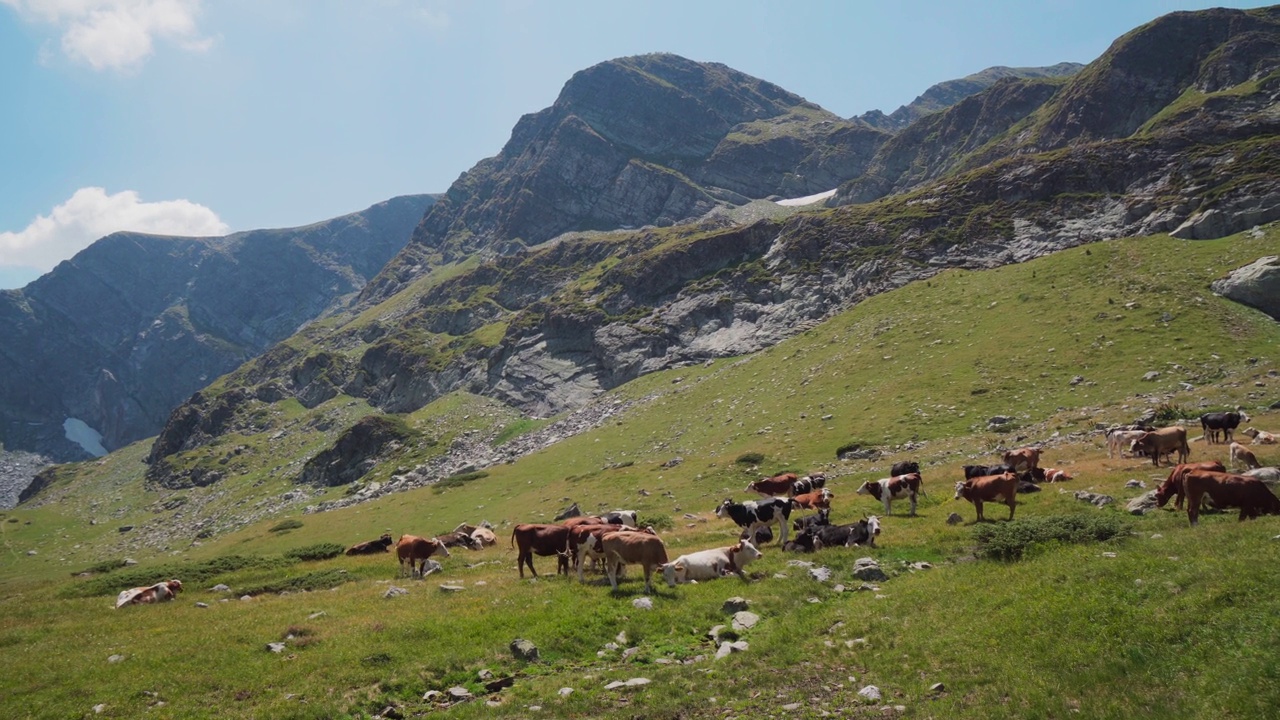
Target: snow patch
807 199
79 432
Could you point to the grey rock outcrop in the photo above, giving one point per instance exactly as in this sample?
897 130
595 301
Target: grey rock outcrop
1256 285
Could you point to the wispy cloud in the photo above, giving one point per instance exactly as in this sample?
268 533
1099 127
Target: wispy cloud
117 34
91 214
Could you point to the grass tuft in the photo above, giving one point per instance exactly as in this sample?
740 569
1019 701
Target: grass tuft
1021 538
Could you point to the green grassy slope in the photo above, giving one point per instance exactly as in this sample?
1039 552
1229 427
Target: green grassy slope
1179 623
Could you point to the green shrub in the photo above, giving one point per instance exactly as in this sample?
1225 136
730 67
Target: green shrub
320 580
1014 540
658 522
192 574
319 551
751 458
459 480
1168 413
105 566
290 524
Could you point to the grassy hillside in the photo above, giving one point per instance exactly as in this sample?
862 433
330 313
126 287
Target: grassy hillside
1178 623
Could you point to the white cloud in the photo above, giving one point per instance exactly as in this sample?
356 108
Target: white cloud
91 214
116 34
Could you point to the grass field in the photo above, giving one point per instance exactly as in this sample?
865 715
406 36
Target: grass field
1177 623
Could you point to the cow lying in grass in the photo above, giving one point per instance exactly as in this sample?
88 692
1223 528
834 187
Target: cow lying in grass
372 547
711 564
160 592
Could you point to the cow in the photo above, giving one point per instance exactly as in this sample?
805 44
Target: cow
1221 422
160 592
1172 485
372 547
484 536
414 550
1023 459
632 548
776 485
805 541
545 540
1241 454
973 471
458 539
1268 475
822 517
762 535
711 564
1260 437
894 488
986 489
1119 440
904 467
808 484
752 515
584 543
1226 490
629 518
818 500
865 531
577 520
1164 441
1054 475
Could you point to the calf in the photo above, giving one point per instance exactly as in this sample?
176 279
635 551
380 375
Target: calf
1023 459
973 471
752 515
160 592
808 484
776 485
1221 422
458 539
414 551
1164 441
711 564
1119 440
986 489
1260 437
584 543
865 531
632 548
813 500
1226 490
1242 454
894 488
544 540
372 547
822 517
1172 486
1054 475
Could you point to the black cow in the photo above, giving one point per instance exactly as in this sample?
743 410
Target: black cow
761 536
863 532
818 519
1221 422
905 467
973 471
758 513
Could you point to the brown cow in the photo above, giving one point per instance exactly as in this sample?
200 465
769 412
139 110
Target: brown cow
416 550
987 488
580 550
776 485
813 500
1241 454
1023 459
1226 490
544 540
582 520
1163 442
633 548
894 488
1172 486
372 547
159 592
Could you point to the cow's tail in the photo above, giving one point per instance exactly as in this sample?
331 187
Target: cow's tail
513 537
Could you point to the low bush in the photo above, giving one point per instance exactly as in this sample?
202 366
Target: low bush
657 522
319 551
751 458
105 566
459 480
320 580
283 525
1015 540
192 574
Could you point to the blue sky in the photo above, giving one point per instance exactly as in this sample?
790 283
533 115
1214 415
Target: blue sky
210 116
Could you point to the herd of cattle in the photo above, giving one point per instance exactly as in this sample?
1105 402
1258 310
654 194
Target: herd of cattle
615 539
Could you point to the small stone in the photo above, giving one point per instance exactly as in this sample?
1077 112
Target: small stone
838 588
457 692
451 588
315 615
728 648
535 708
821 574
629 652
954 519
276 647
642 603
1108 554
735 604
220 588
714 633
814 600
432 695
868 569
921 566
870 692
791 707
524 650
1151 375
637 682
97 709
1135 484
202 605
937 688
246 597
621 638
1156 536
566 691
115 658
745 620
493 703
485 674
31 552
394 591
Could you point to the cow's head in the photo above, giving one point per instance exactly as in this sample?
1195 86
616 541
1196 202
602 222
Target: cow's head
386 540
723 510
744 552
960 488
441 549
871 487
175 586
674 572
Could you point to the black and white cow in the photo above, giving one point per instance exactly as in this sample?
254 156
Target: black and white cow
818 519
894 488
808 484
621 517
1221 422
755 514
863 532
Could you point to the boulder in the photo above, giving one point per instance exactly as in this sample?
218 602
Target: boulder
1142 504
524 650
868 569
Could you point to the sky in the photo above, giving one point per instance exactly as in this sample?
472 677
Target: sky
204 117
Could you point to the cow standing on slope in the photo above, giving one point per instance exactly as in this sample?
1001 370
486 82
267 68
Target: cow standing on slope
894 488
986 489
754 515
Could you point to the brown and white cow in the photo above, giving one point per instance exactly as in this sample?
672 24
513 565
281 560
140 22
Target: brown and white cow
1055 475
160 592
633 548
484 536
458 538
894 488
372 547
1260 437
1164 441
581 548
776 485
817 500
711 564
414 551
1172 485
1243 455
1226 490
544 540
1023 459
987 488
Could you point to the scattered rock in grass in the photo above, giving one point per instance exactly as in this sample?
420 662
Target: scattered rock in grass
202 605
451 588
394 591
493 703
799 563
728 648
246 597
633 682
1135 483
1076 380
115 658
220 588
457 692
494 686
714 633
99 708
864 587
621 638
391 712
1156 536
31 552
1108 554
921 566
791 707
430 567
130 562
276 647
432 695
1094 498
642 603
566 691
868 569
821 574
524 650
954 519
937 688
870 692
1142 504
838 588
484 674
535 708
744 620
1151 375
735 604
315 615
629 652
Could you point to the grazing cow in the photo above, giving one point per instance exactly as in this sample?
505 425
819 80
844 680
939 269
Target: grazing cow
1260 437
1164 441
569 512
808 484
414 550
973 471
1226 490
1242 454
160 592
711 564
372 547
584 543
484 536
1221 422
776 485
822 517
1120 440
865 531
752 515
986 489
577 520
629 518
632 548
545 540
894 488
1023 459
458 539
1172 485
813 500
905 467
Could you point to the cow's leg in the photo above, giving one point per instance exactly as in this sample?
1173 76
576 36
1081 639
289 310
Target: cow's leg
1194 497
913 504
611 568
1013 503
977 505
648 576
887 503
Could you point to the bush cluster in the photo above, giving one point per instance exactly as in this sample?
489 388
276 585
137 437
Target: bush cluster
319 551
1015 540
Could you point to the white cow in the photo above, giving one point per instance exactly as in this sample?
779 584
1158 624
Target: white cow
711 564
1260 437
1119 440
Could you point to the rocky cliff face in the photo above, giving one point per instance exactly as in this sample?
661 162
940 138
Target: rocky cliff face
127 329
